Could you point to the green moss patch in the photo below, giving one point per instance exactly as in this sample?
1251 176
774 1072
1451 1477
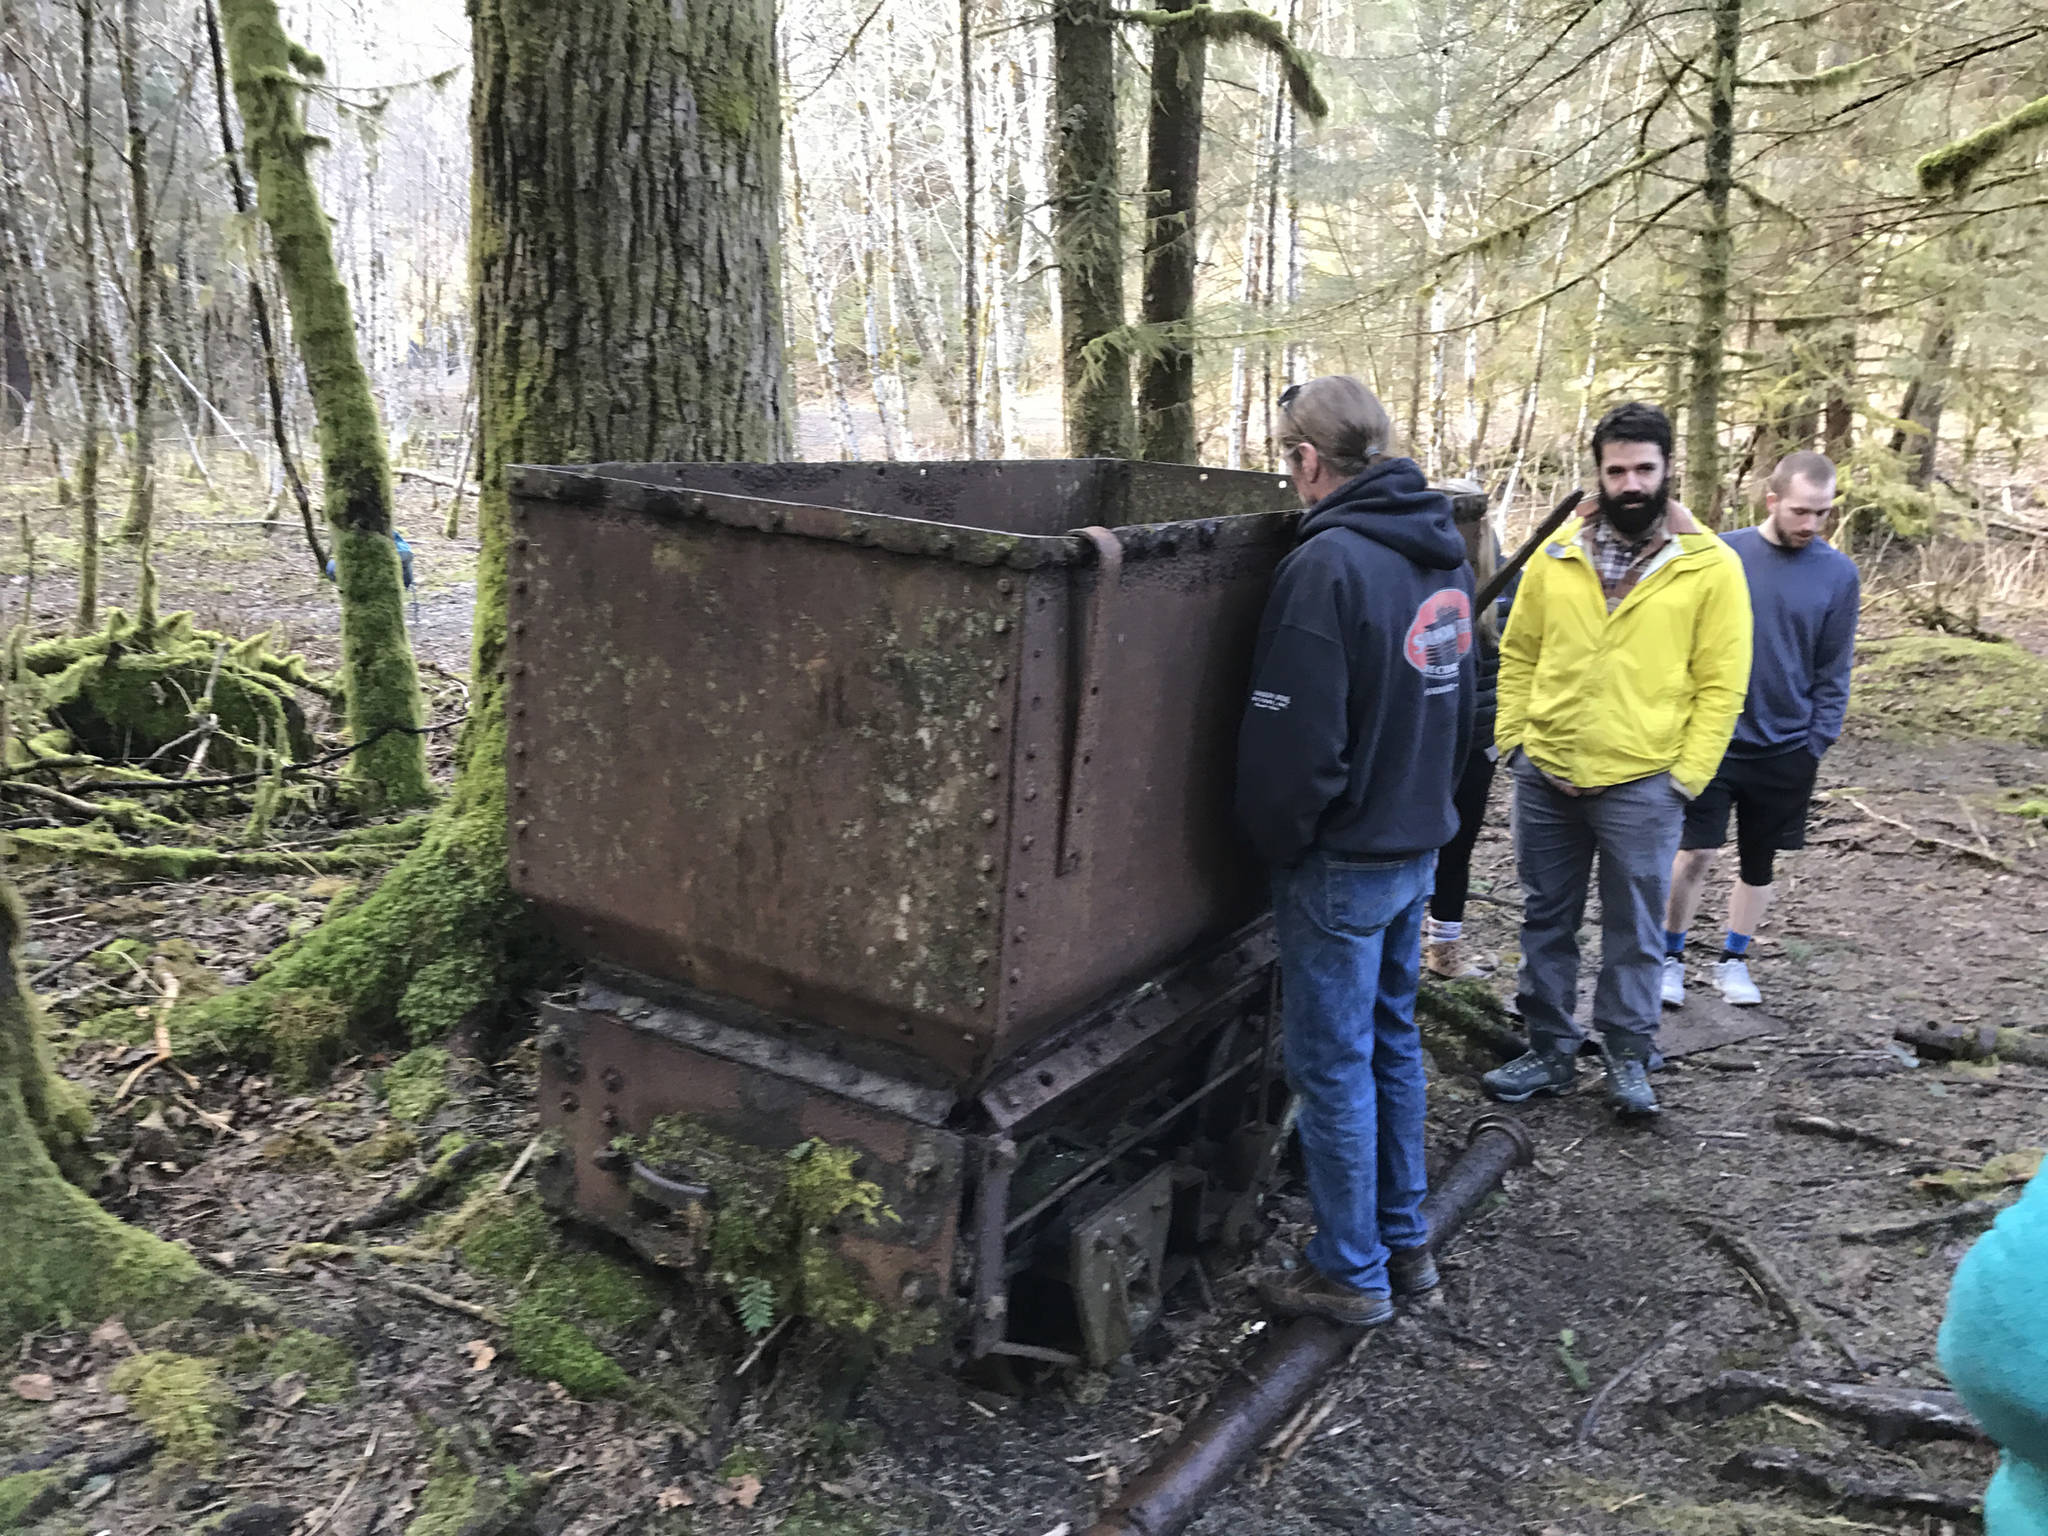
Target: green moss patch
327 1365
458 1499
183 1401
416 1084
394 1144
773 1248
1931 687
567 1295
27 1496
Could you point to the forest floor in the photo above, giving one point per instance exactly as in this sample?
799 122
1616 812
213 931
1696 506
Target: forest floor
393 1387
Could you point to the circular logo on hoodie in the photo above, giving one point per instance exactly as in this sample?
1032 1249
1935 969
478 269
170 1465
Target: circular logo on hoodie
1440 635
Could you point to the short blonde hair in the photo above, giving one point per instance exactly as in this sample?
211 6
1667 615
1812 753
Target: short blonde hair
1341 417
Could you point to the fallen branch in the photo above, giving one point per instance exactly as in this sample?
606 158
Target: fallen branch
1984 855
1626 1373
421 1191
1841 1130
442 1299
519 1165
320 1521
1796 1308
430 478
1891 1414
1970 1213
162 1058
52 971
1777 1466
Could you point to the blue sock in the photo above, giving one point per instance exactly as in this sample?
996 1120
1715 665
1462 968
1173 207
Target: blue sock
1674 941
1737 945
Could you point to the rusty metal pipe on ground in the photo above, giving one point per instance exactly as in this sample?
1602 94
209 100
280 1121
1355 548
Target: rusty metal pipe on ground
1278 1379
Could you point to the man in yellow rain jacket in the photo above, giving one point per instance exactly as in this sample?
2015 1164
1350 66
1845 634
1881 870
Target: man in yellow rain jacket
1622 671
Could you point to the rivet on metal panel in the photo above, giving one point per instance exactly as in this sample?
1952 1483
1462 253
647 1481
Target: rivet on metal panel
1031 792
1031 753
1006 586
590 930
1035 655
610 1118
519 789
1028 842
613 1079
1023 889
1002 672
519 669
522 867
1017 935
522 826
1002 626
1015 977
995 724
980 999
1041 603
520 545
568 1101
519 586
904 1028
519 626
519 749
981 907
698 504
518 709
988 818
992 771
986 863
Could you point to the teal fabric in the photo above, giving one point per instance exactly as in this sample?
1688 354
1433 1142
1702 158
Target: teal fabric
1994 1347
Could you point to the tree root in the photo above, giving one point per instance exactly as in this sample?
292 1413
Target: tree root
1797 1309
1970 1213
1774 1466
422 1191
1891 1414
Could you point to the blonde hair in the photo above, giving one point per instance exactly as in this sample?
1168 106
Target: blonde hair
1341 417
1480 548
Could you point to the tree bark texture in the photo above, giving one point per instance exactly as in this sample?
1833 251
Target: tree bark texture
376 655
1173 168
95 341
1717 260
142 335
1925 396
623 256
1088 232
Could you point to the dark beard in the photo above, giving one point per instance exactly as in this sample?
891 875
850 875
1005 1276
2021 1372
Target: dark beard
1631 516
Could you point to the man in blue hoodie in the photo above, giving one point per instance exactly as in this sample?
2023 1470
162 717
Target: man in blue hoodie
1359 721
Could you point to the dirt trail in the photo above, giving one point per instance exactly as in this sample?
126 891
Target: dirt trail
1469 1418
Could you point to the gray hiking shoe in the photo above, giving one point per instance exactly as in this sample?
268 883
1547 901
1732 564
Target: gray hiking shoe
1529 1074
1308 1292
1628 1087
1672 985
1411 1272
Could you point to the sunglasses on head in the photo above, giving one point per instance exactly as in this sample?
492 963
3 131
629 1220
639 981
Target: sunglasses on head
1287 395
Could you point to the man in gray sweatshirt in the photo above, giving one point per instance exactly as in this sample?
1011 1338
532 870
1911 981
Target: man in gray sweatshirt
1805 595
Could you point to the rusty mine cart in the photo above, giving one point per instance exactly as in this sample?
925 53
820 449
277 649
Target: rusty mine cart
889 805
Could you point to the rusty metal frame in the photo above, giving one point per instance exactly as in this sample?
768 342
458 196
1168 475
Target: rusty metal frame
1102 606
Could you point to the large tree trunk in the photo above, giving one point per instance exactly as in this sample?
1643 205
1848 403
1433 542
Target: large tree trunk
1088 231
63 1258
623 248
1717 260
1173 168
376 655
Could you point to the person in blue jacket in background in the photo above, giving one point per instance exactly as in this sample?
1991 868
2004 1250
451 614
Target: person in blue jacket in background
1994 1349
404 568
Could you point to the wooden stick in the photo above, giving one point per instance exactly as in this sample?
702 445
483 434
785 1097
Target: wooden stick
1797 1309
162 1058
443 1300
1839 1130
1592 1418
518 1165
1929 840
320 1520
1956 1216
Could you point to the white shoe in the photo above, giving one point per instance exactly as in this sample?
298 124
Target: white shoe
1673 984
1732 977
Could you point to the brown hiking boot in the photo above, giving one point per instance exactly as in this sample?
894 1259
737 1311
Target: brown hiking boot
1308 1292
1446 960
1411 1272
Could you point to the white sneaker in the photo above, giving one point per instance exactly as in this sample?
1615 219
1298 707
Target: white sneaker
1673 985
1732 977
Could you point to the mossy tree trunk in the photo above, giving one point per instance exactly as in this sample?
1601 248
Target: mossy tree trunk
61 1255
89 350
1087 231
623 251
376 656
142 354
1919 434
1716 275
1173 168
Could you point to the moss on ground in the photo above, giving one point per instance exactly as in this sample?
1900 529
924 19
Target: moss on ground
459 1499
393 1144
327 1365
565 1294
416 1084
96 843
1931 687
183 1401
27 1496
300 1149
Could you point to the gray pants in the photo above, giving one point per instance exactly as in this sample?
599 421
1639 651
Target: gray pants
1634 829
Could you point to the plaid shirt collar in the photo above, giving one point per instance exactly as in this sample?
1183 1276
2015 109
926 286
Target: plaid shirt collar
1619 560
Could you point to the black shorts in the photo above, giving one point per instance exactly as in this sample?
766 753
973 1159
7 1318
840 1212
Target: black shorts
1769 796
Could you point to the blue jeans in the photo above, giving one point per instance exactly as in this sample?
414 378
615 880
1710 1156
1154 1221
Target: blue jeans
1350 959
